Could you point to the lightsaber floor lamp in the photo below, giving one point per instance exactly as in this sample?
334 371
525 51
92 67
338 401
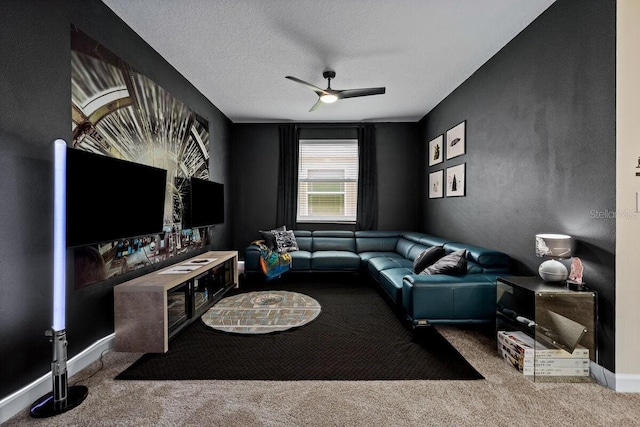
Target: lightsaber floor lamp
62 398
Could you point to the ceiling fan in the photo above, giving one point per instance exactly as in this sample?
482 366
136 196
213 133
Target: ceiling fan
328 95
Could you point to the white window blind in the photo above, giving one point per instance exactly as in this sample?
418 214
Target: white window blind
327 180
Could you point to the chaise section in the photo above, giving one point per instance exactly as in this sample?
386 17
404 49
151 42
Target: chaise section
442 299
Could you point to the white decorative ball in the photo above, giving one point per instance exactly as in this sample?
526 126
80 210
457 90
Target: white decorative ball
553 271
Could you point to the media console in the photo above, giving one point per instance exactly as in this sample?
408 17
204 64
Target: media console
149 310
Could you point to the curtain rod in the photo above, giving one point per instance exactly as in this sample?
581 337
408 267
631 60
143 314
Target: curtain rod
327 125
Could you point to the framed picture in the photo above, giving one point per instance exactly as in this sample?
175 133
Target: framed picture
436 184
456 141
456 180
436 150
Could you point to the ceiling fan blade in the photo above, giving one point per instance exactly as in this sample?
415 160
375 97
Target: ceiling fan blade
352 93
316 89
316 105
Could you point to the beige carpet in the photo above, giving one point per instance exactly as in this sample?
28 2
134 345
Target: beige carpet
504 398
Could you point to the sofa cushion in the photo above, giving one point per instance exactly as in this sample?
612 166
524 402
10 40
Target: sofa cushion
454 264
304 240
427 257
404 246
391 282
415 251
285 241
338 240
474 268
489 259
366 256
335 260
300 260
269 238
377 265
370 242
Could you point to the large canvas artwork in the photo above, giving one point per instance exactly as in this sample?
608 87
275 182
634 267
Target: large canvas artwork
119 112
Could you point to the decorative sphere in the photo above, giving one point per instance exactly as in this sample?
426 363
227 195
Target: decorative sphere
553 271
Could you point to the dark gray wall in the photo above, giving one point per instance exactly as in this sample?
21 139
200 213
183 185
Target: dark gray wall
35 86
540 148
255 165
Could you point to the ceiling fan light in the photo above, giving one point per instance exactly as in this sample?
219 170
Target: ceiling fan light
328 98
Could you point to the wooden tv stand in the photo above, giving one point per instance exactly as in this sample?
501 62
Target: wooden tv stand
151 309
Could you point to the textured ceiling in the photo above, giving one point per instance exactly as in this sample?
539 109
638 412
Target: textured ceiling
238 52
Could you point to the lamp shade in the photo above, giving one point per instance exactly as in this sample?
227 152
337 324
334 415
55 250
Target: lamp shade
553 245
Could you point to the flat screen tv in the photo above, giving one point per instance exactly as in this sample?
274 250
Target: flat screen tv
112 199
205 205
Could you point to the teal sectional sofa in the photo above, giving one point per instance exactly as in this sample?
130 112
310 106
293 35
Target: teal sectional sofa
387 257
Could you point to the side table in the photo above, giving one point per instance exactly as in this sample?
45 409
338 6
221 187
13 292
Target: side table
558 323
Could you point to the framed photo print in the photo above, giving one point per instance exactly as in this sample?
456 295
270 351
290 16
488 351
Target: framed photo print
457 140
456 180
436 150
436 184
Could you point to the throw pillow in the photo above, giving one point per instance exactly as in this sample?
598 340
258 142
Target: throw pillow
427 257
269 239
285 241
454 264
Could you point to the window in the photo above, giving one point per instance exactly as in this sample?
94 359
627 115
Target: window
327 180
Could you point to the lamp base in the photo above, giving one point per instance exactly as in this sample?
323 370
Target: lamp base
553 271
47 407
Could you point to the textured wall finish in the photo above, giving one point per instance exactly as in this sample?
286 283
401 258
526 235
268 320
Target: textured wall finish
36 84
540 148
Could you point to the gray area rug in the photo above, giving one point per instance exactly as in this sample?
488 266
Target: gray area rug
357 337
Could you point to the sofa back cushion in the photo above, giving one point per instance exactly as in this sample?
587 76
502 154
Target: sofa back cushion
488 259
303 237
404 246
339 240
376 241
415 251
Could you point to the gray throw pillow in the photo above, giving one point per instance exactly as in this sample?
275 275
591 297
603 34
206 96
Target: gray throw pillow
427 257
269 239
285 241
454 264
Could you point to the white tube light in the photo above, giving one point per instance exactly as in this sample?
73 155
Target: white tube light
59 234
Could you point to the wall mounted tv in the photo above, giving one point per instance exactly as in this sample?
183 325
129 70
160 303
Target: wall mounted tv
111 199
204 205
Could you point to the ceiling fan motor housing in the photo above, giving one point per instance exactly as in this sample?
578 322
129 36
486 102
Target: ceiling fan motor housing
329 74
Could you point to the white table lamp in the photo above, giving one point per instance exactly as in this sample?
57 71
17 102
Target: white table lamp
553 246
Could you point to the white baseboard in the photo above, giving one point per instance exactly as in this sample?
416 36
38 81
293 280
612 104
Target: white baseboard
628 383
23 398
622 383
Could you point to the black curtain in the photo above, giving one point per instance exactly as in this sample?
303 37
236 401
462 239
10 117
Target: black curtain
287 177
367 215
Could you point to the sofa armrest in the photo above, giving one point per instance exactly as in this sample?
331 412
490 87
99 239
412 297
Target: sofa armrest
252 259
449 299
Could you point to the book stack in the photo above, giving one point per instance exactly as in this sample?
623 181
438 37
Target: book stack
519 350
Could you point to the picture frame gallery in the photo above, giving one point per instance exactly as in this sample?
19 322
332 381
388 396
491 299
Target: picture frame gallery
449 181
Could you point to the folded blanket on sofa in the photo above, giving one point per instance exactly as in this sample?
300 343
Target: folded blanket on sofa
272 263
